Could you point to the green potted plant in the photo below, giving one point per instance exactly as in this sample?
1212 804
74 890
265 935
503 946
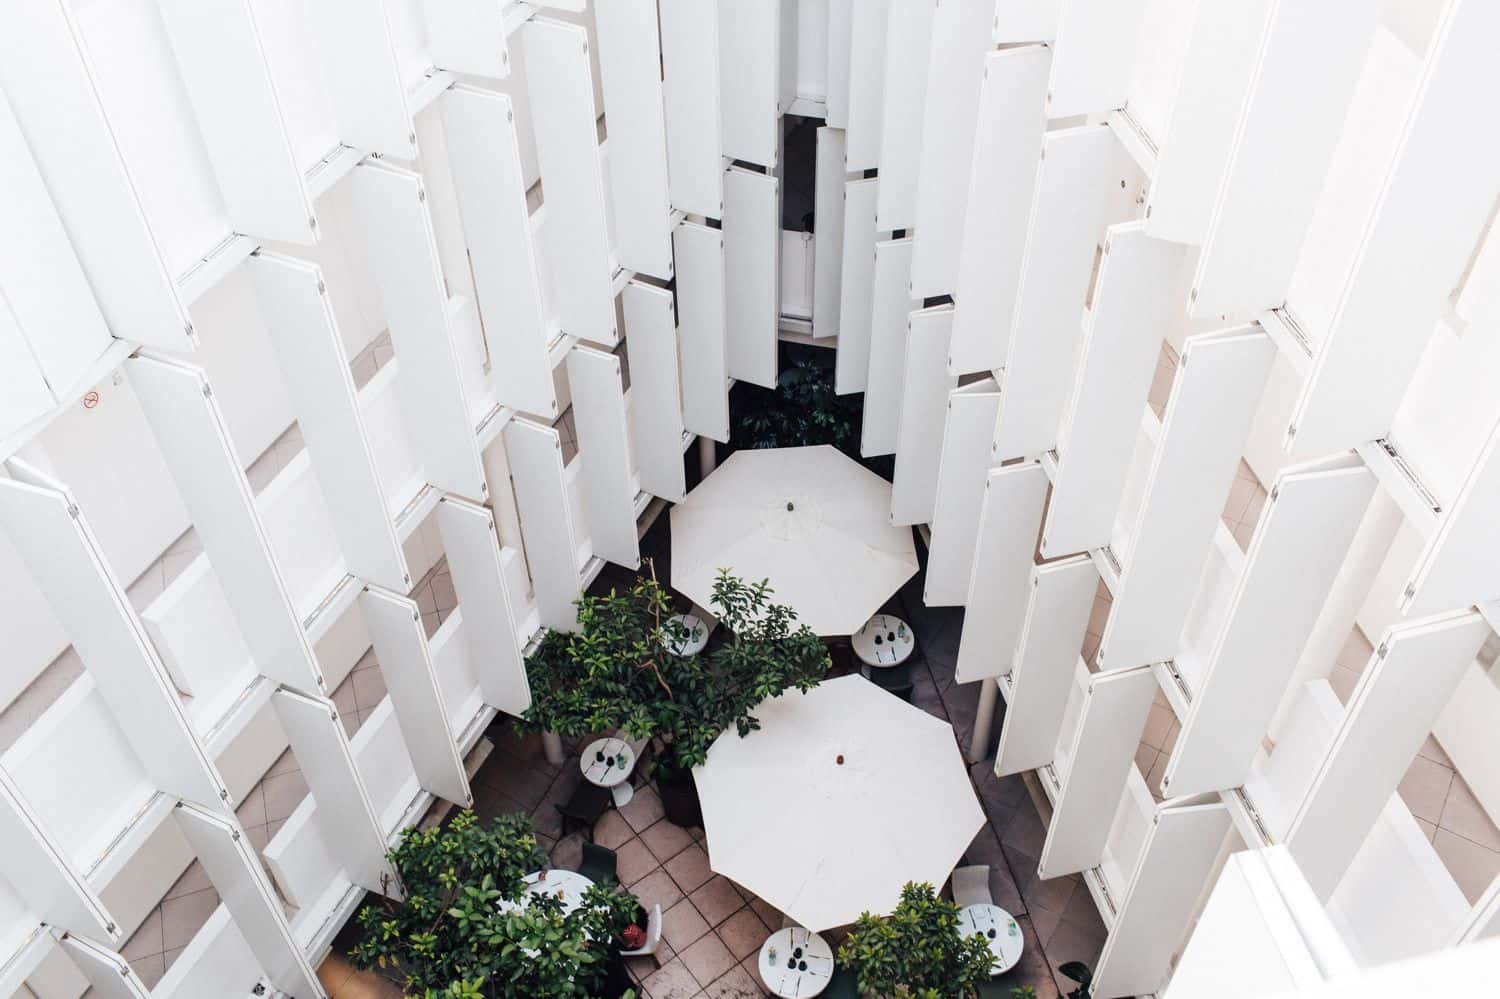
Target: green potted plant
618 672
917 951
452 938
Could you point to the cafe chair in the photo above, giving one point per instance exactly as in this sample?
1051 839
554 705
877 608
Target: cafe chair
598 864
653 938
971 886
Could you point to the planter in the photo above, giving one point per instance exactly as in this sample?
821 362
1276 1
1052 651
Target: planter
679 797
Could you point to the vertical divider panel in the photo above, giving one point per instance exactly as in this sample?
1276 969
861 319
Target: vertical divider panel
750 78
1102 752
51 90
1203 433
691 79
924 391
828 250
1457 565
27 394
630 64
344 812
45 879
1026 21
246 893
1135 303
41 276
1303 81
304 332
1096 49
963 470
1294 557
851 366
536 470
1046 659
52 537
1432 210
475 560
1410 679
1004 552
908 33
703 329
467 37
487 176
890 325
866 87
1002 180
752 254
960 39
561 90
228 83
655 389
840 26
188 426
1182 846
1068 214
604 449
1216 73
403 256
109 975
363 77
400 642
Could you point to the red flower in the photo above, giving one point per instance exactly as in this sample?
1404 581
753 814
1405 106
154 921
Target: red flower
634 937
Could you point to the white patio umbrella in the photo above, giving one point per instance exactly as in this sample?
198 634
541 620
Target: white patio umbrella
809 519
845 794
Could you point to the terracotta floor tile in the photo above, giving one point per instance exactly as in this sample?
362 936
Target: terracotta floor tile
612 831
1464 816
666 839
743 933
682 925
707 959
717 900
657 888
1424 788
737 983
1472 866
689 868
672 981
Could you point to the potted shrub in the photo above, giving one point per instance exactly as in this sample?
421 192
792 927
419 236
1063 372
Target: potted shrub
917 951
451 937
802 409
617 672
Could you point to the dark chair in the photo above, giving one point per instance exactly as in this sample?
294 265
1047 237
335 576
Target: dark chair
598 864
843 985
994 990
584 807
895 679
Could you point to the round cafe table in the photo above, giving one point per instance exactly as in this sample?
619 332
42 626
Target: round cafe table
884 641
608 763
566 886
694 642
999 930
796 963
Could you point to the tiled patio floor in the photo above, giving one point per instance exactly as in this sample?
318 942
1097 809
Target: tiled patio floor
713 929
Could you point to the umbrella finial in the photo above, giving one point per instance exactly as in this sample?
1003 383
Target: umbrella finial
839 759
789 505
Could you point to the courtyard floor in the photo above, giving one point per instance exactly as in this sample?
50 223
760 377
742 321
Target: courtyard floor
713 928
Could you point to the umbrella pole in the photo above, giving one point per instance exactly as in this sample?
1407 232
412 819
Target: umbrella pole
984 719
552 748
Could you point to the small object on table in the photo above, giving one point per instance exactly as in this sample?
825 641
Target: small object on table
796 963
694 635
998 928
607 763
884 641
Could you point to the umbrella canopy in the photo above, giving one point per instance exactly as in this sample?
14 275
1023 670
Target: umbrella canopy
809 519
845 794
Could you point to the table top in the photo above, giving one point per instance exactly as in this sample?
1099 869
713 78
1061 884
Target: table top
1000 931
606 762
885 640
567 886
793 975
697 635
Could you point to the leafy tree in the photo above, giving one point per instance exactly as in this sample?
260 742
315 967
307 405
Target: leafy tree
452 939
617 670
802 409
918 951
